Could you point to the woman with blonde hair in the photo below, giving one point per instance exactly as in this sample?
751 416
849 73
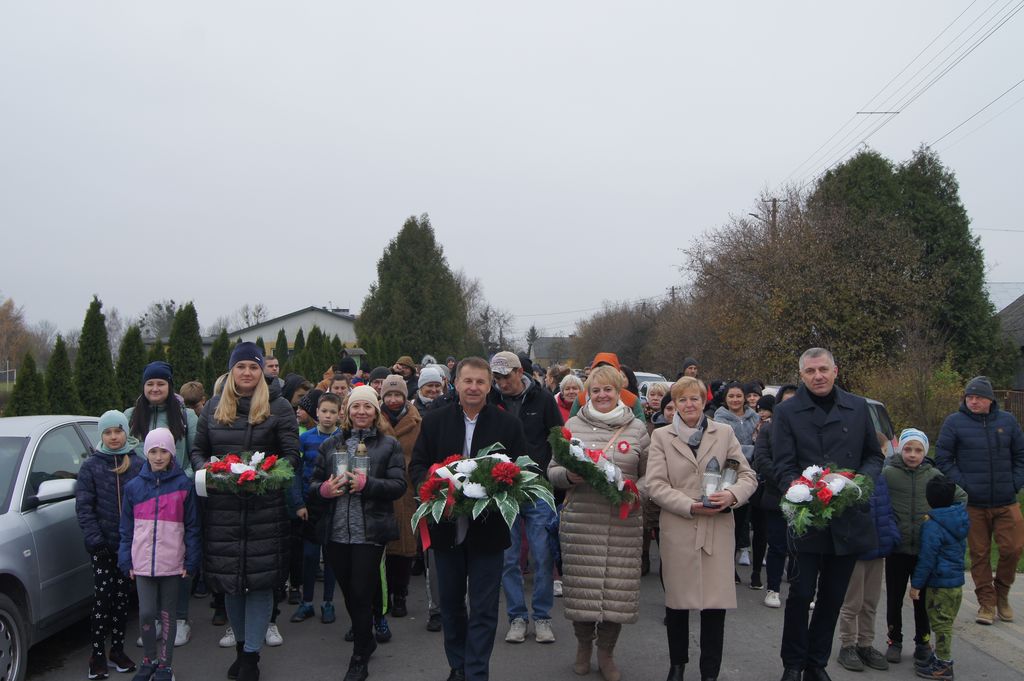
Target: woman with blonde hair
246 535
696 535
600 550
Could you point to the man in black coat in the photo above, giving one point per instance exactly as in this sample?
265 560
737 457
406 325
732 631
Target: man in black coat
467 549
822 425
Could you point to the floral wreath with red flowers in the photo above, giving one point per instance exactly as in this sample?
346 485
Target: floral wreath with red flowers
821 494
244 473
590 464
489 481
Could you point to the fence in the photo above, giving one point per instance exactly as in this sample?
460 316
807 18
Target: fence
1013 402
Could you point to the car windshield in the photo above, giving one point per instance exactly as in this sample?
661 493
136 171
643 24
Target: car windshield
11 449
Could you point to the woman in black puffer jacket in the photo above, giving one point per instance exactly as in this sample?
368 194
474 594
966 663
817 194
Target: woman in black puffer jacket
357 511
245 536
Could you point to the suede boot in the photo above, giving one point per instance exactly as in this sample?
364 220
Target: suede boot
233 669
607 636
249 668
584 646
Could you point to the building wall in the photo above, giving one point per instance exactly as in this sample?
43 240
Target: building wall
328 323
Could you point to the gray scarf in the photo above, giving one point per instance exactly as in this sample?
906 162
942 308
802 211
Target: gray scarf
691 436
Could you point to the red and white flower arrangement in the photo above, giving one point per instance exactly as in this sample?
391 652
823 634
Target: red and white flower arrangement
821 494
246 472
596 470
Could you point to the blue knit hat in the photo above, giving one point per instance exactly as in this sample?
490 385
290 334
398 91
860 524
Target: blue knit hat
909 434
245 352
161 370
113 419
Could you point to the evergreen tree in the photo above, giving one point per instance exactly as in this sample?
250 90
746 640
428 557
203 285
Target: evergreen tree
392 321
336 347
281 346
157 353
94 368
186 351
29 395
220 353
61 396
300 343
262 346
131 362
312 362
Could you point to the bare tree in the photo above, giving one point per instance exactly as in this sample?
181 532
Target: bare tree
251 315
158 318
40 340
13 332
115 329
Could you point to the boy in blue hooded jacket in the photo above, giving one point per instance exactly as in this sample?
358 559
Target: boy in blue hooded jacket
940 569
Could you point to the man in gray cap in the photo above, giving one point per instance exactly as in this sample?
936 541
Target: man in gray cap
981 447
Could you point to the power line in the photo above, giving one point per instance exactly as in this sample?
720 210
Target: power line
974 130
971 117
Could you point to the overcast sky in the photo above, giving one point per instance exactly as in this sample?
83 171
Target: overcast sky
245 152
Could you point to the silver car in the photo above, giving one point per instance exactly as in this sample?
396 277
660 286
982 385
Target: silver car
46 579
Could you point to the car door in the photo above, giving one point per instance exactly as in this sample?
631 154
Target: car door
65 574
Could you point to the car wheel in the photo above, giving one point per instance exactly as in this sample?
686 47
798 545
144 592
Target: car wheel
13 641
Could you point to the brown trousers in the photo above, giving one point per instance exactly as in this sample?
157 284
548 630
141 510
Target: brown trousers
1007 524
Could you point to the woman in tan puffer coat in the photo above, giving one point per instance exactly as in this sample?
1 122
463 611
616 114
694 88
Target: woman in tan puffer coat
600 551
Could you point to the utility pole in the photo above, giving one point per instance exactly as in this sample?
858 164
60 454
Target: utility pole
773 221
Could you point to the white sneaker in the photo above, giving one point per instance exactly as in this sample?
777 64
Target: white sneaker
542 631
228 639
772 600
158 629
744 557
516 631
812 605
556 588
273 637
183 633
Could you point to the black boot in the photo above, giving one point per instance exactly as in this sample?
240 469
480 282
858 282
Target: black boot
675 672
249 668
233 669
357 670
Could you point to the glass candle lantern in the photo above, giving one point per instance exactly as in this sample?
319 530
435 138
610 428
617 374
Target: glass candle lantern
712 481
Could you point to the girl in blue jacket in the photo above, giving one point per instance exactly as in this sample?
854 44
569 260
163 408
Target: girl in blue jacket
160 545
99 496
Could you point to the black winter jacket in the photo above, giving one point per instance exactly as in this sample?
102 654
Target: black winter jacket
539 414
443 433
245 536
804 435
385 483
98 499
984 454
771 492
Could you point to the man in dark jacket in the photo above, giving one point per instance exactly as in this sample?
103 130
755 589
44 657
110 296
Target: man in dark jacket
981 448
822 425
535 407
468 549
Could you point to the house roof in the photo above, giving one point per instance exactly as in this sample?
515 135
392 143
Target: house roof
312 308
1012 318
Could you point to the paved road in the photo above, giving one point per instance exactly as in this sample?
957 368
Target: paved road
316 651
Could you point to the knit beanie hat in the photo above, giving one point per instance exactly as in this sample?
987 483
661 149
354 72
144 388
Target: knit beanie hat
394 384
159 437
980 386
364 393
690 362
379 374
310 401
406 360
752 387
160 370
113 419
443 370
766 402
909 434
428 376
346 365
246 352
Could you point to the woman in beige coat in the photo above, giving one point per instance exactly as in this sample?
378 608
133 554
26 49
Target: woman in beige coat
696 541
600 551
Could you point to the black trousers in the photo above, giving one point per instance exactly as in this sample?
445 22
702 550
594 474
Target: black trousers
469 635
810 645
759 525
357 569
778 549
741 515
398 572
898 569
712 637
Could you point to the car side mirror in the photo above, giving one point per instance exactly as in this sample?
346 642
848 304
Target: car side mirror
51 491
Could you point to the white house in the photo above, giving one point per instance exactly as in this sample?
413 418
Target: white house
337 321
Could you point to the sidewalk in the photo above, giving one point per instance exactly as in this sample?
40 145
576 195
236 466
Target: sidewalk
1002 640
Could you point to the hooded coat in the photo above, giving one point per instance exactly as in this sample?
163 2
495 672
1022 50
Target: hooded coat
99 497
600 551
245 536
984 454
158 419
940 563
406 431
160 533
697 552
909 503
743 426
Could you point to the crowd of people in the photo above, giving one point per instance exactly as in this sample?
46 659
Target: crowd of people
348 525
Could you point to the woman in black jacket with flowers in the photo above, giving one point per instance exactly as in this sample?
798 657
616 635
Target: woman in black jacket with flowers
245 536
357 511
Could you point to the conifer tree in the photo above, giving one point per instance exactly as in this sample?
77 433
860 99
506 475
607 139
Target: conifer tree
261 345
157 353
61 396
300 343
94 368
29 395
217 362
131 362
186 352
281 346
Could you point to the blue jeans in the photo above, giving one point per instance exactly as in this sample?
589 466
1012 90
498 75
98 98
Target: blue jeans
310 562
539 518
249 614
